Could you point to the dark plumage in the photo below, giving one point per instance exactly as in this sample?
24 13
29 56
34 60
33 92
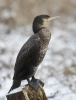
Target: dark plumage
32 53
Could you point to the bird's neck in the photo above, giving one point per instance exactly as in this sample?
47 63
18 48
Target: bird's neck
37 28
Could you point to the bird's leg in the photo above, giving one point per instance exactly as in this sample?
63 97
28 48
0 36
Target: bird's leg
28 80
39 81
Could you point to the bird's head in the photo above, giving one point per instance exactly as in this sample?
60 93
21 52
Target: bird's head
45 19
40 20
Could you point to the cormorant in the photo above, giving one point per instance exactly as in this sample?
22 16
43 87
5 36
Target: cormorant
32 54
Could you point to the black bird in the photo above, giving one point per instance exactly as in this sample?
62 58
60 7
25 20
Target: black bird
32 53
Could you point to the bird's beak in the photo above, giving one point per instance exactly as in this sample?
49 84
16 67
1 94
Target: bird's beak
48 19
54 17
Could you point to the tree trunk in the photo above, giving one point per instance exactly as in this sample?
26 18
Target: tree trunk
27 93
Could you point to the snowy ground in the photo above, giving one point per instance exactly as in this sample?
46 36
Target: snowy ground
58 70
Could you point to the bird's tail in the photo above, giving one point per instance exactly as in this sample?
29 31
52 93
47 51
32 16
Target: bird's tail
15 84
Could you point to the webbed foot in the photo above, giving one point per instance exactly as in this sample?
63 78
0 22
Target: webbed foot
34 83
40 82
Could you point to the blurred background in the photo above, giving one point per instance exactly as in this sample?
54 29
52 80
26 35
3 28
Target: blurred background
58 70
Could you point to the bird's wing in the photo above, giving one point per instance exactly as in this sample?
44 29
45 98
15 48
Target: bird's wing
26 53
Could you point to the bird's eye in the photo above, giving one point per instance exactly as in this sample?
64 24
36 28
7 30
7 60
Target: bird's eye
47 18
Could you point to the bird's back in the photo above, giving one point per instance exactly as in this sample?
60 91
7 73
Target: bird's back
31 54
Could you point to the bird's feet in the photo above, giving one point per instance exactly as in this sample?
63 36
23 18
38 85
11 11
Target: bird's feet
35 83
40 82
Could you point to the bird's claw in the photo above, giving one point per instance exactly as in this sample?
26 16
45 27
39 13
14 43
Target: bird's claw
35 83
40 82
